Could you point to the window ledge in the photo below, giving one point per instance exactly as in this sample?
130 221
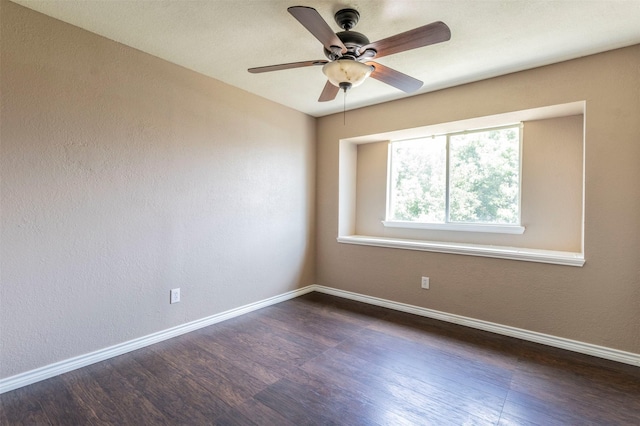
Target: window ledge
500 252
464 227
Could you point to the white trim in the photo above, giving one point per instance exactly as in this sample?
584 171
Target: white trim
51 370
463 227
505 330
500 252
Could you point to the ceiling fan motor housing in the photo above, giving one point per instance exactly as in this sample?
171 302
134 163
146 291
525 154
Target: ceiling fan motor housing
353 41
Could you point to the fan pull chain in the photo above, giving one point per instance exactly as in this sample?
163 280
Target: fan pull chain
344 109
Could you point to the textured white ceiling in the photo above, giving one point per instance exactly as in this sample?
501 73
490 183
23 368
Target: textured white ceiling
222 38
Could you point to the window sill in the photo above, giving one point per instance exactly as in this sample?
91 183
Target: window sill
512 253
464 227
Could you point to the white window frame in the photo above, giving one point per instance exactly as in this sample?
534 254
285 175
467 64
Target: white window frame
458 226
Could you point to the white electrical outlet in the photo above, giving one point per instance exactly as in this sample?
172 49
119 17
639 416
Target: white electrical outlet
175 295
425 283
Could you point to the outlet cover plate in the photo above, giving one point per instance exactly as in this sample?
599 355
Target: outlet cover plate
175 295
425 283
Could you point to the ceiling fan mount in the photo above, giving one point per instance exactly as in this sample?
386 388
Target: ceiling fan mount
347 18
351 54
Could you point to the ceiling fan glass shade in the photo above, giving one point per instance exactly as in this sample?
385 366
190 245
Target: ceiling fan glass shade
347 71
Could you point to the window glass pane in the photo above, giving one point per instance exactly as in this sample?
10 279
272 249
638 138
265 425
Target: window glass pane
418 180
484 176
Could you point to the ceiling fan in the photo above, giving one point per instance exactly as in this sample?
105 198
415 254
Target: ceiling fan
351 54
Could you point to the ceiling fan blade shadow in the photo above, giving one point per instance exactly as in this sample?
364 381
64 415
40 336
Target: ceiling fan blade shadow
433 33
395 78
329 92
313 22
290 65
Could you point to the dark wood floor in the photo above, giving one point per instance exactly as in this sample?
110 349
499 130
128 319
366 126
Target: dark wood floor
320 360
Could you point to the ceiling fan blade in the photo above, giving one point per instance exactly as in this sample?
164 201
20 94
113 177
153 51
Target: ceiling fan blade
395 78
279 67
329 92
433 33
313 22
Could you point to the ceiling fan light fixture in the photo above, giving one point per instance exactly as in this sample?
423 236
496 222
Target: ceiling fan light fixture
348 71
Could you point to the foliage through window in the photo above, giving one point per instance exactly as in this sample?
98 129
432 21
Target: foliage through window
465 177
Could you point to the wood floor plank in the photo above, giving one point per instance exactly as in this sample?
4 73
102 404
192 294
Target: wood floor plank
581 400
306 400
341 399
231 384
409 361
288 401
576 371
346 401
286 345
21 407
59 403
525 409
4 408
238 355
323 327
472 346
479 345
260 344
402 395
252 412
462 404
179 397
357 313
134 406
103 411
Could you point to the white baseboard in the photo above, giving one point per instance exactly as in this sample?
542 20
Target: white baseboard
70 364
531 336
42 373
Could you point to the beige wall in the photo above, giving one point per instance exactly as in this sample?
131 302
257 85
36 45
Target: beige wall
598 303
551 187
124 176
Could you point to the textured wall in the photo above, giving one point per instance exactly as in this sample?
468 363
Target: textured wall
598 303
124 176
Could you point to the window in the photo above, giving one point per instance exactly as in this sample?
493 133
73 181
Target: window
550 200
457 181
